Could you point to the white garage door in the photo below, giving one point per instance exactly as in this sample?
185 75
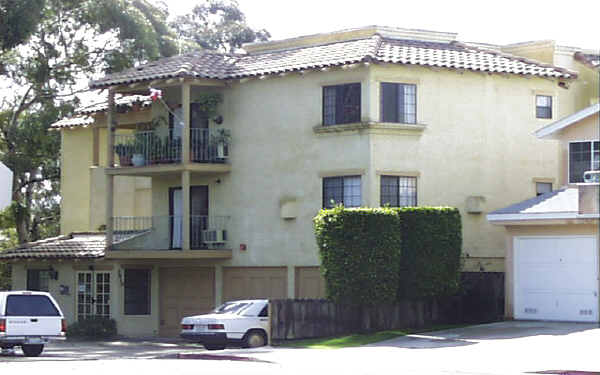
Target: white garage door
556 278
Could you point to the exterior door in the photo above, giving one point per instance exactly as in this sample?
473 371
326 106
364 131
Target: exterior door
93 294
254 283
198 216
184 291
556 278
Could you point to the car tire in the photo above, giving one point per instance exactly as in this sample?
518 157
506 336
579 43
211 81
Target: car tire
254 339
214 346
32 350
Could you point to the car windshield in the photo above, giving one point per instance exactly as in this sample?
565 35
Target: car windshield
231 308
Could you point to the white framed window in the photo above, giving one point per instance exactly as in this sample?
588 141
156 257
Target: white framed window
398 191
543 106
583 156
343 189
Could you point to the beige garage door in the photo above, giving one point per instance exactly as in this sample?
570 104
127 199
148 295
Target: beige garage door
309 283
254 282
184 291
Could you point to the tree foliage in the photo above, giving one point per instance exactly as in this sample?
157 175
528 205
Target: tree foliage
217 24
72 41
18 20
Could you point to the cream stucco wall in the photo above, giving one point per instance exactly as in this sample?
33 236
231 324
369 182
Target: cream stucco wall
146 325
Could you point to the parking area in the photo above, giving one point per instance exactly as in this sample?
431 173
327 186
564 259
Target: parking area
106 350
498 348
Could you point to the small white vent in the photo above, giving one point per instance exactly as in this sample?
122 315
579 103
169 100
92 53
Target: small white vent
585 312
530 310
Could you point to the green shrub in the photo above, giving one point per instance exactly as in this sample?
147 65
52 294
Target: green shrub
360 254
94 327
431 247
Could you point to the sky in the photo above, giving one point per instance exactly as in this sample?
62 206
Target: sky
571 23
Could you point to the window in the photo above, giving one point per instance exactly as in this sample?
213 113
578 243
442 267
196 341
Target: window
341 104
398 103
137 292
542 188
398 191
543 106
38 280
344 190
583 156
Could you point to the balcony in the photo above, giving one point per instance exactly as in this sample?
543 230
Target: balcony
161 237
146 153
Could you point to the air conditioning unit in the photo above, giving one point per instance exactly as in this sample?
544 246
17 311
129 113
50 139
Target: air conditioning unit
591 176
214 236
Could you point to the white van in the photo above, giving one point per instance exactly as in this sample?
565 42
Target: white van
29 320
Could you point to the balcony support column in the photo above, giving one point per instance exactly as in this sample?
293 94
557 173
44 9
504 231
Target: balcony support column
185 134
110 162
185 208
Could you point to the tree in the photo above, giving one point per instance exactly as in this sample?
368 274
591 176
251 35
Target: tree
73 40
216 24
18 20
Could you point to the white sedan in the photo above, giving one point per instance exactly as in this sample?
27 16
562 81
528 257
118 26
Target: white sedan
237 322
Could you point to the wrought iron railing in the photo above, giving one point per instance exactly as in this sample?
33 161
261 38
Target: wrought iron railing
206 232
165 147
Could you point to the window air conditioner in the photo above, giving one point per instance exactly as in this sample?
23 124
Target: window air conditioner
214 236
591 176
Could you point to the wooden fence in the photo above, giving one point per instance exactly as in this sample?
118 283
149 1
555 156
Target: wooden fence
480 301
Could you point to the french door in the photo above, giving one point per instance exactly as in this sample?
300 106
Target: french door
93 294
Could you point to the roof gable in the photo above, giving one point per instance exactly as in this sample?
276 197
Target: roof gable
557 126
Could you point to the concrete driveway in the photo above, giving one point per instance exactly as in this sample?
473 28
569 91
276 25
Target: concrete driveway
499 348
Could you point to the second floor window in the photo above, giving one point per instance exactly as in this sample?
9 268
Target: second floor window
543 106
583 156
345 190
341 104
398 103
398 191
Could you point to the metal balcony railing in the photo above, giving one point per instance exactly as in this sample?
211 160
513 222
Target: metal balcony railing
165 146
206 232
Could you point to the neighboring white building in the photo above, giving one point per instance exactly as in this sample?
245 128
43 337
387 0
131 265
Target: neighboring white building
6 185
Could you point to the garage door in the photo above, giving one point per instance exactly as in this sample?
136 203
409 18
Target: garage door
556 278
254 282
184 291
309 283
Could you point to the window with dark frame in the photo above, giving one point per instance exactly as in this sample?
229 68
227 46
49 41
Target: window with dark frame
398 191
137 292
398 103
345 190
38 280
543 106
583 157
341 104
542 188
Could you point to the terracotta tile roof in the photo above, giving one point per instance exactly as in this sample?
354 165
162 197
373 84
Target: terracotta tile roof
83 115
590 59
73 122
72 246
452 55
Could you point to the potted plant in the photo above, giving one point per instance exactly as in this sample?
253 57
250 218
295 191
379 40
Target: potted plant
140 149
125 152
220 140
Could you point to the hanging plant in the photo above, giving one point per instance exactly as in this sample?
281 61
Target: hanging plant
208 103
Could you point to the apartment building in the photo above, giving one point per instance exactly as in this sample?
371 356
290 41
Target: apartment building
197 181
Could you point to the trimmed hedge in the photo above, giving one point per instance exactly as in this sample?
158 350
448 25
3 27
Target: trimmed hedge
380 255
360 253
431 247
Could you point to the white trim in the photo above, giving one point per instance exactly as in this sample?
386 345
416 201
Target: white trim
569 157
567 121
546 216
